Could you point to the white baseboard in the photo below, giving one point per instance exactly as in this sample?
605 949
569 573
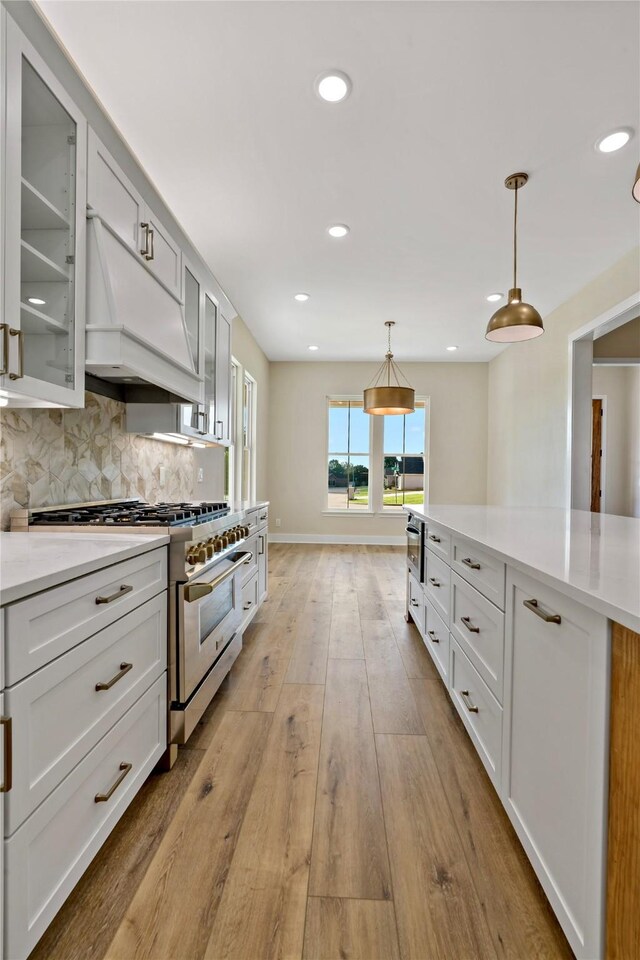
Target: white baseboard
376 539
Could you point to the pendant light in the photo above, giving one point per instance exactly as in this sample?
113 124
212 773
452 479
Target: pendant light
636 185
384 397
518 320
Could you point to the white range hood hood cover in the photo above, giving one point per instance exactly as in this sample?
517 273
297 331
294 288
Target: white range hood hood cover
135 328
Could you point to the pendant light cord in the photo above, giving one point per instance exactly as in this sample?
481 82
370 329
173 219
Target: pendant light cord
515 237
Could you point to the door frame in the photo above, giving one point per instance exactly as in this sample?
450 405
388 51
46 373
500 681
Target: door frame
579 416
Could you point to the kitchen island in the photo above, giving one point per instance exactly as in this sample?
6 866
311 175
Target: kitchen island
532 618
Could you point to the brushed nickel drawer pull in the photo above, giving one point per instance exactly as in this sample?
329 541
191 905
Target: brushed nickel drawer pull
432 634
468 562
467 702
435 582
414 603
261 550
103 797
263 517
125 588
469 625
247 604
5 348
547 617
20 335
124 668
433 537
7 777
151 255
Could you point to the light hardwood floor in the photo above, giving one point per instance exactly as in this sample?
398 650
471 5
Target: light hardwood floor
329 806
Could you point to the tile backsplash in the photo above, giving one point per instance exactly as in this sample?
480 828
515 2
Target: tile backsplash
48 457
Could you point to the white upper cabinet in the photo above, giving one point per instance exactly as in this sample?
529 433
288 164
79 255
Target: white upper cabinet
42 334
222 426
112 197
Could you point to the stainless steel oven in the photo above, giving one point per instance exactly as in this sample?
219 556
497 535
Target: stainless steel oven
415 546
206 617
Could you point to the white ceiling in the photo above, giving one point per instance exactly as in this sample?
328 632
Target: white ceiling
217 101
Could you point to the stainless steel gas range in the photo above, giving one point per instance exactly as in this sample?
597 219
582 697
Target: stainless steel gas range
206 558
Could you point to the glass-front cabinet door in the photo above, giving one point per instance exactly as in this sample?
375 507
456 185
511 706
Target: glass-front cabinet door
210 328
193 414
42 331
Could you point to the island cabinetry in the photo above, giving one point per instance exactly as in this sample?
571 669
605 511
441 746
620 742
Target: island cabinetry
480 568
87 697
554 784
478 627
263 553
479 710
437 586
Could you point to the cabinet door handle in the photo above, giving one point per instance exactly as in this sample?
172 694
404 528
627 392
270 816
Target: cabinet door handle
468 562
247 605
432 634
20 335
433 537
547 617
221 422
151 254
263 517
145 250
124 668
469 625
125 588
7 777
435 582
261 548
467 702
414 603
5 348
103 797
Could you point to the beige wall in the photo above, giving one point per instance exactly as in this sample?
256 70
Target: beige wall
621 475
298 441
621 343
634 440
251 358
528 397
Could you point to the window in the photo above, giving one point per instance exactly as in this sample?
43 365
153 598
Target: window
248 437
376 464
348 460
404 464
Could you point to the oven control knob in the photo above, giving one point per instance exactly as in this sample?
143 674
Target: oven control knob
191 556
201 553
245 531
232 535
218 545
208 549
224 539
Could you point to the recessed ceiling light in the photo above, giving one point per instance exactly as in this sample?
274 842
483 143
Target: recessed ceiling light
36 301
494 296
301 297
333 86
313 347
338 230
452 348
614 140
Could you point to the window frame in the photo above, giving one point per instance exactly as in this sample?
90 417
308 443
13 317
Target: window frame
394 509
340 511
376 463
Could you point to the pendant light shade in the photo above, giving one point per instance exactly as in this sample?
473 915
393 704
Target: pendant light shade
517 320
636 185
385 395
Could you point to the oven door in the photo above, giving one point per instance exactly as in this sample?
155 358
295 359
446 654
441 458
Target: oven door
209 614
414 547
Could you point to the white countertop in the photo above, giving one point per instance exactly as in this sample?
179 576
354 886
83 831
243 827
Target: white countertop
592 557
30 562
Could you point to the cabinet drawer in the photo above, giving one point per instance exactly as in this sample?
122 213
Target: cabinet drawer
58 715
438 540
415 601
263 517
480 568
50 623
437 584
249 598
48 854
478 626
251 545
480 711
437 640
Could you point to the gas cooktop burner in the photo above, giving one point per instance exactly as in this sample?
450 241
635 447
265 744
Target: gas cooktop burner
133 513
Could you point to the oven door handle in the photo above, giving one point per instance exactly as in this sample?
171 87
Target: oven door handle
413 530
196 591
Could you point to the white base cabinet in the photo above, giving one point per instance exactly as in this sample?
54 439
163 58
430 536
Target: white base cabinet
555 750
49 853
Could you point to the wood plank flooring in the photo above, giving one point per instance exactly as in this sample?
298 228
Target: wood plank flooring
328 806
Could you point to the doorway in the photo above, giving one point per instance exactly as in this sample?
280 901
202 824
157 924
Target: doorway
597 411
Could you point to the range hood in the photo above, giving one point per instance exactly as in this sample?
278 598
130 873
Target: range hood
136 332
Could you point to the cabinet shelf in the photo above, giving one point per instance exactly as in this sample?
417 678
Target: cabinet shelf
36 268
38 213
33 321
